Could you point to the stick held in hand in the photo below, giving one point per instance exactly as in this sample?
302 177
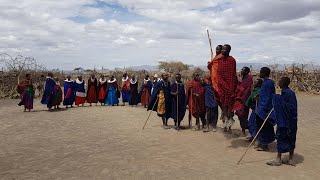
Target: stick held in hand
150 113
264 122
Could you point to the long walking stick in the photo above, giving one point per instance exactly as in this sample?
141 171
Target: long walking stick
255 136
150 113
190 109
211 52
177 106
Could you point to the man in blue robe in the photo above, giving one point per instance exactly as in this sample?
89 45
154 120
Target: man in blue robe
50 90
267 91
178 101
69 92
161 100
286 118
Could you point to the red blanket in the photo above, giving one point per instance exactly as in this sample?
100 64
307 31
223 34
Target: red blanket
227 82
195 95
22 86
242 111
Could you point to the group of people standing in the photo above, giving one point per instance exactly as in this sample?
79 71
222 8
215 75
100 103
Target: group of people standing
202 97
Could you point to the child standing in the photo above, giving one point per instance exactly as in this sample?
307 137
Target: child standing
211 106
286 118
252 102
26 90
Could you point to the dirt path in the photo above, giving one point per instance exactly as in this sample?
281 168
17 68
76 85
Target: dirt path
108 143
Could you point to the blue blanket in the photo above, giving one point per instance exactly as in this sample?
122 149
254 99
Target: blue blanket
70 100
286 118
49 93
181 102
160 85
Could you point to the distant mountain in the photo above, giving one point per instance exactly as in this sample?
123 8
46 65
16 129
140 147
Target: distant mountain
139 68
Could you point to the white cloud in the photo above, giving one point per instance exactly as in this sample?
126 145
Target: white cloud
60 33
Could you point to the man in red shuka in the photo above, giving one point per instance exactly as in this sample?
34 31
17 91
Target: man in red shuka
227 84
195 99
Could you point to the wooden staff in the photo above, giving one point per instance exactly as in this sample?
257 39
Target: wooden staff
190 109
211 52
255 136
177 105
150 113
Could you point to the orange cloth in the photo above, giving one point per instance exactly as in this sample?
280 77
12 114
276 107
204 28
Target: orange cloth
213 68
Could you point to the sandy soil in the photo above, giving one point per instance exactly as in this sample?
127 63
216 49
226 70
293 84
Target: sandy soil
108 143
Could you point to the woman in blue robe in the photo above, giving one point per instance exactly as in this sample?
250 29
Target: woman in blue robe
178 106
111 92
162 86
125 89
49 94
69 92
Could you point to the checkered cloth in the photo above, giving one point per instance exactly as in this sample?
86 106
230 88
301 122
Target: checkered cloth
227 81
196 103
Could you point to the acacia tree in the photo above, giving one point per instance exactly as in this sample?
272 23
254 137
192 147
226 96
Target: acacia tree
173 66
78 69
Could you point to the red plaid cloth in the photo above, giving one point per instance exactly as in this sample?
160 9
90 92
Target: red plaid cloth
22 86
125 85
227 81
196 103
241 109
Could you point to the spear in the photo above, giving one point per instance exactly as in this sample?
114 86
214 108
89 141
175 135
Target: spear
211 52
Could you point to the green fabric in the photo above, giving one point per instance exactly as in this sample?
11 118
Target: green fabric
30 90
253 94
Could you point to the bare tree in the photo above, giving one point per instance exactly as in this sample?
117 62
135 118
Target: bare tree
13 69
18 64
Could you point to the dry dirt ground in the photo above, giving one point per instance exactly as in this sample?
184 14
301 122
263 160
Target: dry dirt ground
108 143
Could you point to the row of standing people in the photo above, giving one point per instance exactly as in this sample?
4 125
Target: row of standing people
106 92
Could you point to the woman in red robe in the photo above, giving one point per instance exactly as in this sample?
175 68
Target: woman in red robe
145 91
102 90
92 96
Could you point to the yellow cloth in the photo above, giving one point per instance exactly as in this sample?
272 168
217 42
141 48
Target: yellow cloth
161 103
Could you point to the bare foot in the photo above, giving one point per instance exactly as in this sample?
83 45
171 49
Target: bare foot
289 162
276 162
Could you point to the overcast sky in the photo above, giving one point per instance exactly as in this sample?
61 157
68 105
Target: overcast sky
117 33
